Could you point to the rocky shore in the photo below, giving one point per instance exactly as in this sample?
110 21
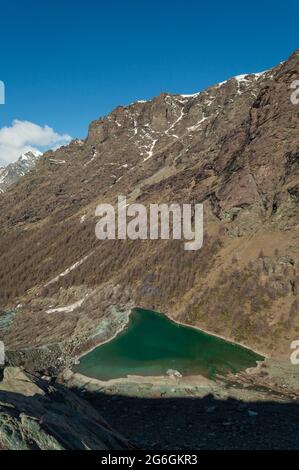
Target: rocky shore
55 357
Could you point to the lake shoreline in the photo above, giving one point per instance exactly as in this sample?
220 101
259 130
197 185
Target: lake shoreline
101 343
224 338
150 318
198 380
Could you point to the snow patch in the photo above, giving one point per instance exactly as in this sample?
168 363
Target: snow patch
175 123
68 308
68 270
196 126
92 158
56 161
151 150
191 96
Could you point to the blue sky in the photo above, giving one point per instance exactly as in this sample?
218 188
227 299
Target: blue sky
66 63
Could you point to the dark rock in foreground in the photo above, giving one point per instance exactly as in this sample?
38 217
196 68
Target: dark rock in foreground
37 415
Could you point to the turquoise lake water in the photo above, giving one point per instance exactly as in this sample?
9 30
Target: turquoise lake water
152 343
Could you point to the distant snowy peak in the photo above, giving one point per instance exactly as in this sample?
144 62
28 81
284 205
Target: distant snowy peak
14 171
30 155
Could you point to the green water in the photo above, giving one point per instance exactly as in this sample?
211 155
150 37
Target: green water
152 344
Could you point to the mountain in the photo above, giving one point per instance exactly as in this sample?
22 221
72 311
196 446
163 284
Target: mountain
12 172
233 147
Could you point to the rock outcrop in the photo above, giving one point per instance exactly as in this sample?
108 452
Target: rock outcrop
38 415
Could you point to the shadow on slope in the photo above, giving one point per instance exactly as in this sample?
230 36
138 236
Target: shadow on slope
36 415
200 423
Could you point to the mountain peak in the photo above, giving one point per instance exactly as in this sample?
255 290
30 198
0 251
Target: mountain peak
12 172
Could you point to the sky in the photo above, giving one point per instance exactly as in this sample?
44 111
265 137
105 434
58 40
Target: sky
65 63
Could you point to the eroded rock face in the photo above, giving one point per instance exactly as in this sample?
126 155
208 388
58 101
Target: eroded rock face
235 148
35 414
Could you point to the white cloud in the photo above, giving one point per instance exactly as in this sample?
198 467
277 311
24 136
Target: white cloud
23 136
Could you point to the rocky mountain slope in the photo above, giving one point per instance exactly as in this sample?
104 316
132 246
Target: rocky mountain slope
38 415
234 147
14 171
